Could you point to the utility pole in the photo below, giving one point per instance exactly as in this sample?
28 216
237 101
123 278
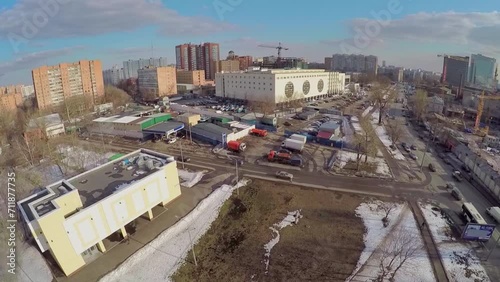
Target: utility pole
493 248
182 155
237 177
192 248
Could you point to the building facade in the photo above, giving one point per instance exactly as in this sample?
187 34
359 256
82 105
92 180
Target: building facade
45 127
482 71
227 66
455 70
53 84
71 225
113 76
355 63
279 86
191 57
245 62
131 67
11 97
156 82
328 63
196 77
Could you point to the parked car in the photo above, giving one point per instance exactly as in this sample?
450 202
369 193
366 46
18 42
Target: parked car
392 147
441 155
466 168
403 144
286 123
413 156
183 159
284 175
456 194
447 161
413 147
457 175
432 167
407 149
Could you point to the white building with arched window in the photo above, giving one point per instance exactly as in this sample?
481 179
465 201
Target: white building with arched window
278 85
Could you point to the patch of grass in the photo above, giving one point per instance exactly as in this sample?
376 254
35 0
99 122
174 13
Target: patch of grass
324 246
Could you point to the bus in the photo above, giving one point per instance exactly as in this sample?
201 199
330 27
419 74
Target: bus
471 214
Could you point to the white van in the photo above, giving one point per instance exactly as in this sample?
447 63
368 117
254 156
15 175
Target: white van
494 212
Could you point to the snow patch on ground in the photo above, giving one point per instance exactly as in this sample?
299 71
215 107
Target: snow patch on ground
190 178
367 111
382 169
160 259
75 157
384 137
459 261
35 269
416 269
291 218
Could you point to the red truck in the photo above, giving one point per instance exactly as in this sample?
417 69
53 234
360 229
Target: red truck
279 157
258 132
236 146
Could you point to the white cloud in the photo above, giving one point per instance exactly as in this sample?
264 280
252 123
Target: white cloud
73 18
448 27
32 60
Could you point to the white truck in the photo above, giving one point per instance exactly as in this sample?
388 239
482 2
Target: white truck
494 212
293 145
299 137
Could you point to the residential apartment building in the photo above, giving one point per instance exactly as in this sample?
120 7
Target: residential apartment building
328 63
131 67
113 76
245 62
71 219
196 78
53 84
226 66
354 63
11 97
156 82
198 57
393 73
28 91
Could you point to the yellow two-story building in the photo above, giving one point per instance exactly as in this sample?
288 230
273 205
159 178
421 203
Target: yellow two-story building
72 217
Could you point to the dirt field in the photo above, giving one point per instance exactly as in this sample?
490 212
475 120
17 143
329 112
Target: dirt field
323 246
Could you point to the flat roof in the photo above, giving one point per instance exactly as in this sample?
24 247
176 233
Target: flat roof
164 127
98 183
126 119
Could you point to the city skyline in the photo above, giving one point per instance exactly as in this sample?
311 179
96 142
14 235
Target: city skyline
410 39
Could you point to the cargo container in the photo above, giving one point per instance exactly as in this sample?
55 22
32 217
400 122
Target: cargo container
299 137
236 146
294 145
258 132
269 121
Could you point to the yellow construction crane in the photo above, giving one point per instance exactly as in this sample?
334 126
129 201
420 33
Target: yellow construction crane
480 108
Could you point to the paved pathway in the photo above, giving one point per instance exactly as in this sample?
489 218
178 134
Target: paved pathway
429 243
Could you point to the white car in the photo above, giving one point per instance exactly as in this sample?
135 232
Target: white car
284 175
171 140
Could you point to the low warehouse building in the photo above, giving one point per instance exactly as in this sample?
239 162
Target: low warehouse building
47 126
210 133
73 218
163 129
189 119
127 126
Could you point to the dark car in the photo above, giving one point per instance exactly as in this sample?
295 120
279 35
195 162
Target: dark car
441 155
466 168
447 161
413 147
286 123
183 159
432 167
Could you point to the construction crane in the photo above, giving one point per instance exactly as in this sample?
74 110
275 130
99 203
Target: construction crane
480 108
279 47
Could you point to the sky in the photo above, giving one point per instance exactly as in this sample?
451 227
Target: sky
406 33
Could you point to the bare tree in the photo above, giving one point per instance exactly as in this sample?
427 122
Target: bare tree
116 96
404 245
382 95
420 103
28 149
395 131
368 136
265 108
386 208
